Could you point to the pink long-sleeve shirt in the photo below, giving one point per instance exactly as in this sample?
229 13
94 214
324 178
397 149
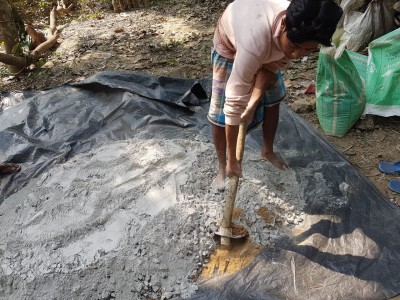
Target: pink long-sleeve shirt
249 33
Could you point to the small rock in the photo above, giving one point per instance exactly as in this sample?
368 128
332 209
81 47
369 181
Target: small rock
6 269
166 296
301 106
155 288
366 124
156 261
290 220
343 187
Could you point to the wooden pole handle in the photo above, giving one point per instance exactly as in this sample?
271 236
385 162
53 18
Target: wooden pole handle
234 180
240 142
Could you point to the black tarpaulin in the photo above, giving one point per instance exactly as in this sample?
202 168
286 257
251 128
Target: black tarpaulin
52 126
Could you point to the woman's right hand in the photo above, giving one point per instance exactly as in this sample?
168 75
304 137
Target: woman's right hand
248 115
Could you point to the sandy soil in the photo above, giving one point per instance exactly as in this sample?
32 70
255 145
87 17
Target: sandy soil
173 39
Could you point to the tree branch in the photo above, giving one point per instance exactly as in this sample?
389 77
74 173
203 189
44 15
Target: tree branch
12 60
37 37
43 47
53 22
62 8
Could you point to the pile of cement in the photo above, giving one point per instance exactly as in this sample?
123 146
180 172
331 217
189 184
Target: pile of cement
132 219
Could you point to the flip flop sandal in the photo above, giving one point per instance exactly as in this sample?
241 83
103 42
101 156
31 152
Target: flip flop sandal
9 168
394 185
389 167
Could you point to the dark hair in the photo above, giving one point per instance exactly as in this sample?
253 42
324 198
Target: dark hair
312 20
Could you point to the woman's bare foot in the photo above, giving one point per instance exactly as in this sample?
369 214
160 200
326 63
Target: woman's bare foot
233 168
219 181
275 160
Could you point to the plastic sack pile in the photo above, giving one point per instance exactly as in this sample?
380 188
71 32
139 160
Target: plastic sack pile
350 84
366 20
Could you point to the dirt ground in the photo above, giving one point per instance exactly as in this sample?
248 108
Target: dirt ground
174 39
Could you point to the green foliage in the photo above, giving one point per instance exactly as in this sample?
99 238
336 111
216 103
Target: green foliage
19 24
39 63
172 62
43 4
95 15
173 43
3 72
17 50
68 70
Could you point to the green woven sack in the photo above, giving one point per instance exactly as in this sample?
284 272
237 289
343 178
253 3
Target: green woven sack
340 92
383 76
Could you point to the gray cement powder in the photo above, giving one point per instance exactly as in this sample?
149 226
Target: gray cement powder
130 220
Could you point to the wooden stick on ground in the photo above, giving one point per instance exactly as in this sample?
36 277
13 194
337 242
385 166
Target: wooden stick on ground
62 8
10 59
36 36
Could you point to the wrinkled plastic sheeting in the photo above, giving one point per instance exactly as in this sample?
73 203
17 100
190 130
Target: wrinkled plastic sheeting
361 27
59 123
350 217
9 99
347 248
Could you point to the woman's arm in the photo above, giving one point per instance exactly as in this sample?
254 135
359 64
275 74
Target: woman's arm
262 80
